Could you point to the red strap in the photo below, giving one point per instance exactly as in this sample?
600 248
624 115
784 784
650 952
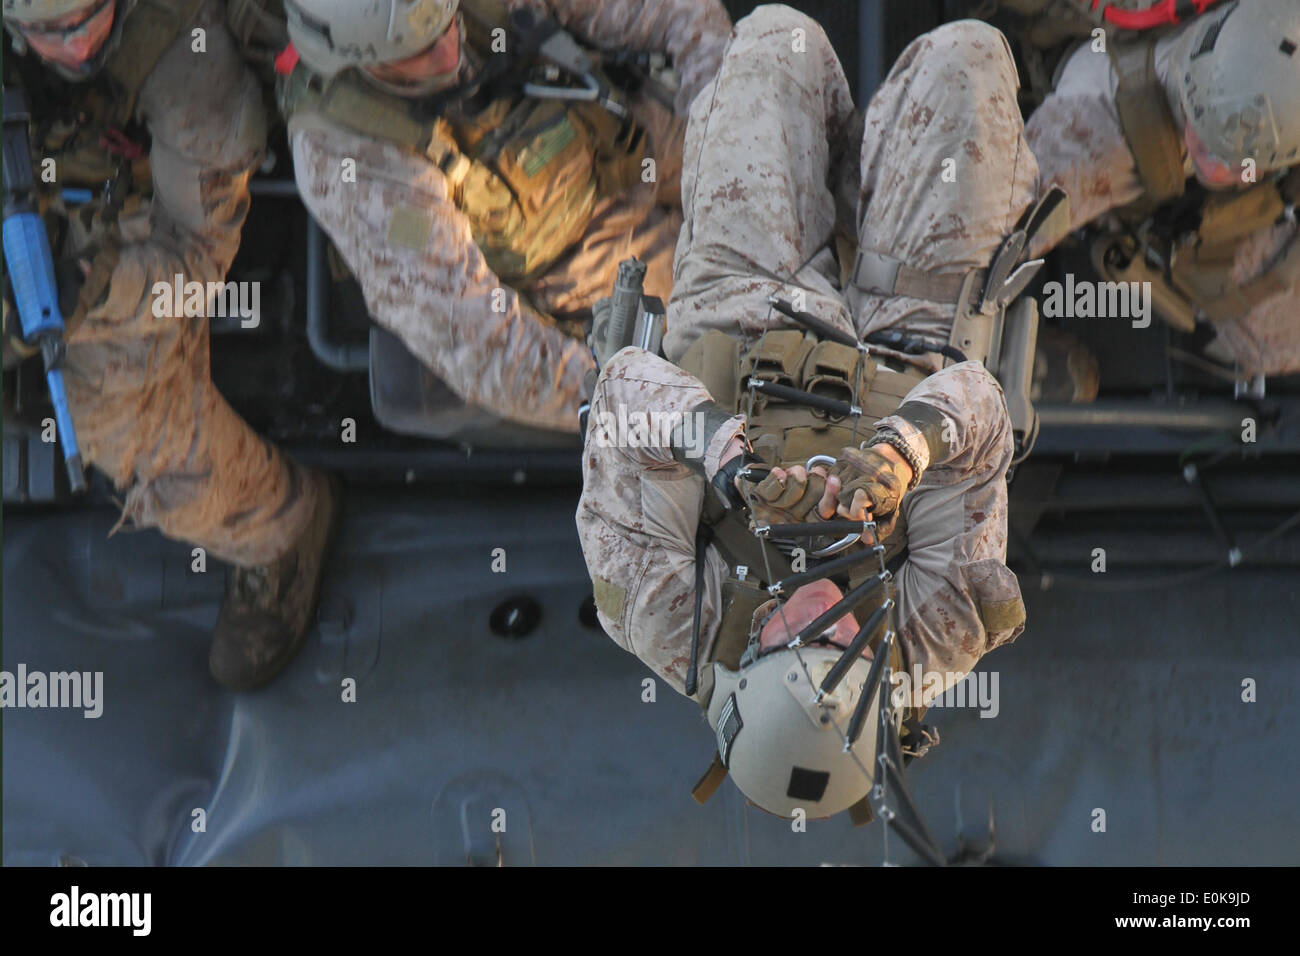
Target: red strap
1160 14
286 60
119 144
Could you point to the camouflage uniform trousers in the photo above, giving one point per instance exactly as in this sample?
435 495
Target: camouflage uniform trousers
139 385
758 158
942 174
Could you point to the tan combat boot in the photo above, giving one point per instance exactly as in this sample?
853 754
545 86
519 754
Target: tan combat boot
269 608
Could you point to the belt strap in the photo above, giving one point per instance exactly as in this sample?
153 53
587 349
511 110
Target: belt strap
708 784
1147 122
885 275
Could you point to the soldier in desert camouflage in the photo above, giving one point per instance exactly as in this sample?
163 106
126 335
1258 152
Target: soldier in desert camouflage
1217 99
762 148
483 221
138 379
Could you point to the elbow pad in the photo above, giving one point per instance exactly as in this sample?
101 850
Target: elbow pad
692 438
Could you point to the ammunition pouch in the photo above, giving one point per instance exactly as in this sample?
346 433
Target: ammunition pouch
714 358
836 371
778 357
789 357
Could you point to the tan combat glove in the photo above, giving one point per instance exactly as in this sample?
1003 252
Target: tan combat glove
788 496
881 479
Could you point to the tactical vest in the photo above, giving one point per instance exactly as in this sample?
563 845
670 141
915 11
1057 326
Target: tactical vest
784 433
527 172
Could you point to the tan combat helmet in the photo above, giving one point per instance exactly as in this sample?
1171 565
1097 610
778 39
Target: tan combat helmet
1239 80
38 11
783 747
332 35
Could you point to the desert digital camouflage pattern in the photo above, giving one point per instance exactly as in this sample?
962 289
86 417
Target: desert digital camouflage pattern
1080 146
957 600
142 397
429 284
758 158
754 191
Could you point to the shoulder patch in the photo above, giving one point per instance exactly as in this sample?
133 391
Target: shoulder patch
409 228
610 599
1002 615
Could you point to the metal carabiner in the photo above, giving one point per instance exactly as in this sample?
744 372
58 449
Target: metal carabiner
844 542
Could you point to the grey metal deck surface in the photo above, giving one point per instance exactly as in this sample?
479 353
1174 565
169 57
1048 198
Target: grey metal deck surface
1131 703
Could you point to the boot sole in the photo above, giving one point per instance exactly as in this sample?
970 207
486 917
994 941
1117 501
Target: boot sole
291 650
